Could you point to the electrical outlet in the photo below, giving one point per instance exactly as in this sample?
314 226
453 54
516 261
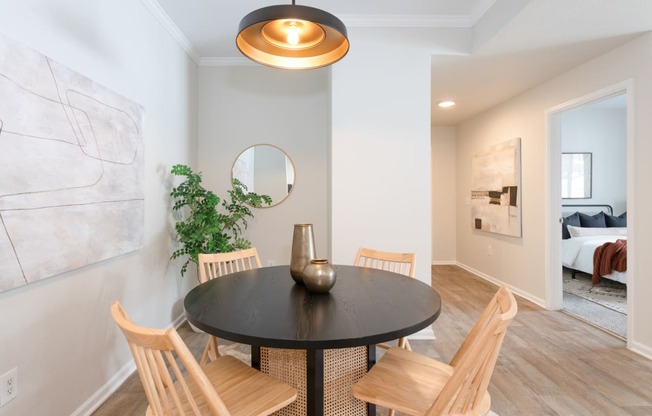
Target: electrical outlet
9 383
489 250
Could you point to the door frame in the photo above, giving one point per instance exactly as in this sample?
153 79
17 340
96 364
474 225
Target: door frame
553 272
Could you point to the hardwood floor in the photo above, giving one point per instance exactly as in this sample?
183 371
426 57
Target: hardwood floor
550 362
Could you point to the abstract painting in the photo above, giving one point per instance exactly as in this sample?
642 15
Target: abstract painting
496 189
71 169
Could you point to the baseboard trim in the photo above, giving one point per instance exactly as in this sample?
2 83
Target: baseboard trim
640 349
103 393
633 346
498 282
444 263
180 320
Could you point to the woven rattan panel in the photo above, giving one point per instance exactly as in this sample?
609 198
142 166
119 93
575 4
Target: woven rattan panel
343 367
288 366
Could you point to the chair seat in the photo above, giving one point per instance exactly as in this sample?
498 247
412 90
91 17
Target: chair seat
407 382
244 390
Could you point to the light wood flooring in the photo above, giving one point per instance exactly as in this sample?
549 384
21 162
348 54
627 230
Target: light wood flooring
550 363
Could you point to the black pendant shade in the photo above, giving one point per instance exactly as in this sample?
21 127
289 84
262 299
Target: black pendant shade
292 37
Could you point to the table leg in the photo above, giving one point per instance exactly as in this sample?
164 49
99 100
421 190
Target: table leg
371 360
315 382
255 357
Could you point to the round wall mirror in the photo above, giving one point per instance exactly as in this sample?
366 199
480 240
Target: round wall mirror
266 170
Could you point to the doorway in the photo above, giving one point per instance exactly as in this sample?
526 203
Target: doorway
594 186
567 134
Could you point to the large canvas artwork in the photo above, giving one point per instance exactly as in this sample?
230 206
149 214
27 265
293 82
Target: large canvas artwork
496 189
71 169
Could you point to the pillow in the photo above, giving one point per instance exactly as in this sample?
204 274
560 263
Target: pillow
619 221
587 232
574 220
593 221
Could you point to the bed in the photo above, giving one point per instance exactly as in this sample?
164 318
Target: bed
585 232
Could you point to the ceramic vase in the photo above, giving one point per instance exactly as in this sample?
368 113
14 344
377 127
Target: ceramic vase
319 276
303 250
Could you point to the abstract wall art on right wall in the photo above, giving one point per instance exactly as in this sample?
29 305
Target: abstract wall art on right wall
496 189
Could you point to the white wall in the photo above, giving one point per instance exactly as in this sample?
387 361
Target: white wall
59 332
443 195
381 195
520 262
243 106
602 132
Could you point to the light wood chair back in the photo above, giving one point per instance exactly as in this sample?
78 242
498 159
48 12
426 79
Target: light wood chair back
218 264
401 263
161 357
414 384
214 265
175 384
475 360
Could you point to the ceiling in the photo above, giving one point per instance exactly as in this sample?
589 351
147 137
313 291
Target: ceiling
516 44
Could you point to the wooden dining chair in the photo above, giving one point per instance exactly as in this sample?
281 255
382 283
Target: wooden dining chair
214 265
401 263
175 384
417 385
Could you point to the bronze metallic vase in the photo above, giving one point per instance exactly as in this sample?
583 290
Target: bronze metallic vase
319 276
303 250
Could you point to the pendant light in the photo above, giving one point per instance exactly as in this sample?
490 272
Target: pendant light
292 37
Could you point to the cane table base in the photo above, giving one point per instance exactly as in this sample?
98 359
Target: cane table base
342 368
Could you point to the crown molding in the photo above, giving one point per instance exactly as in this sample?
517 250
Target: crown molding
416 21
480 10
157 11
397 21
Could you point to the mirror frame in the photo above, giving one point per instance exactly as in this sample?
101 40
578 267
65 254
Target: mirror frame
587 176
294 169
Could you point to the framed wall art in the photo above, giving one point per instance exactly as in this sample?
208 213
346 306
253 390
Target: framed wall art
496 189
71 163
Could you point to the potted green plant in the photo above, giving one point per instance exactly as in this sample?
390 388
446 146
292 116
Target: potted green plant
208 223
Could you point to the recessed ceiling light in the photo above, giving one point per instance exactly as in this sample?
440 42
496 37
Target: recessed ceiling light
446 104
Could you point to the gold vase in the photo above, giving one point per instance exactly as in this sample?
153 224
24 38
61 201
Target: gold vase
303 250
319 276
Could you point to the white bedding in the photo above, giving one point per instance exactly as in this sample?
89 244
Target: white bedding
577 253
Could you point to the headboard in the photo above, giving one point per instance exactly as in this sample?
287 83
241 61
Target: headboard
587 208
590 216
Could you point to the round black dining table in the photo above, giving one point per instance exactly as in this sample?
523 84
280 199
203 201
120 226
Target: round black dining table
265 308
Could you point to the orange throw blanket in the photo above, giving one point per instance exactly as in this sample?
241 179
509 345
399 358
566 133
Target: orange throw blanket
607 258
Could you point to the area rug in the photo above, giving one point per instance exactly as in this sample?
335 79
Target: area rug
596 314
610 294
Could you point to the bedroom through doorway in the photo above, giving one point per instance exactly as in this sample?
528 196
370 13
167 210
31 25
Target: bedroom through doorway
593 138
